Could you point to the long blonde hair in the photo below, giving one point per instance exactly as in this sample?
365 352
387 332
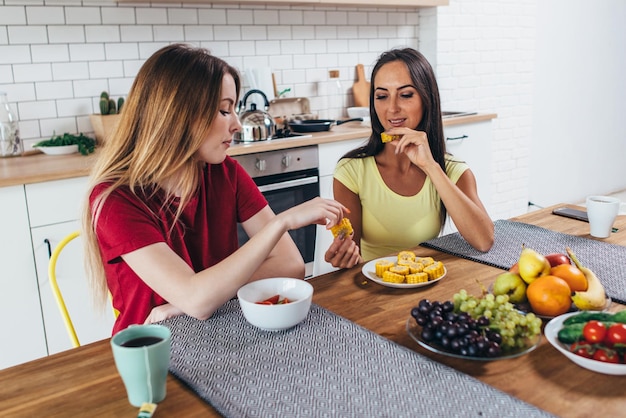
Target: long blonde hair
166 117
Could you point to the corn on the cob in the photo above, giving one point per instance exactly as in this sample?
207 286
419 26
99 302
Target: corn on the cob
426 261
406 256
344 227
416 278
390 277
435 270
382 266
402 270
385 137
415 268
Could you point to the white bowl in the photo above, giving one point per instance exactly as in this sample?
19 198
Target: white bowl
276 317
59 150
551 332
358 112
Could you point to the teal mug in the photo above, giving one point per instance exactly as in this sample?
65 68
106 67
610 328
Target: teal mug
142 358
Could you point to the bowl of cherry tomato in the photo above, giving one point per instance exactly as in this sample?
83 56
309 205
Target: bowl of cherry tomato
276 303
593 340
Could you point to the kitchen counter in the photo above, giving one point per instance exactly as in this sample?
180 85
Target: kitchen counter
36 168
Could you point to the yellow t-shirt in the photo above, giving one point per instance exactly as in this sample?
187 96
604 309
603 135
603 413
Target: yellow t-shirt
391 222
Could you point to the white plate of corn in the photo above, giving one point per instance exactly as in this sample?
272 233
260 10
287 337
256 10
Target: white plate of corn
403 273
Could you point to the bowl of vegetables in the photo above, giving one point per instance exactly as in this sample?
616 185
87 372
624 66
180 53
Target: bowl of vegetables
593 340
277 303
67 144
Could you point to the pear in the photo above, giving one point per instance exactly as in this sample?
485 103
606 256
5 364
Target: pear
511 284
532 265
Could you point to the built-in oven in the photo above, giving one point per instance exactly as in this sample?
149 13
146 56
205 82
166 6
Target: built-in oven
286 178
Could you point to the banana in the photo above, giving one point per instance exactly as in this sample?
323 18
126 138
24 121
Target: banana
594 298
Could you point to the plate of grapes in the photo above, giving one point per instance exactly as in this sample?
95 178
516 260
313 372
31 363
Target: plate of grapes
484 328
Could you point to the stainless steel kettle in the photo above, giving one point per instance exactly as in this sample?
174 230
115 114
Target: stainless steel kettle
257 125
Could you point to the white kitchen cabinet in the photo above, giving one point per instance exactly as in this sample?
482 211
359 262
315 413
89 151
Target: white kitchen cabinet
54 209
23 337
329 154
471 142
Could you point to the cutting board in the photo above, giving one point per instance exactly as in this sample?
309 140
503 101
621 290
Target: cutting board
361 88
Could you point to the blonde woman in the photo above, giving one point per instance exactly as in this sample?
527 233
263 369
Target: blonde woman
160 222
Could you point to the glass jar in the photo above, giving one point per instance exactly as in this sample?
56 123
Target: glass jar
335 95
10 143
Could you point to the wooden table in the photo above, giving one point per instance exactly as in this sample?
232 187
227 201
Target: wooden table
84 381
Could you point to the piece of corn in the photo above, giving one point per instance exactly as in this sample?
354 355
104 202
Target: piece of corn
382 266
385 137
343 227
415 267
426 261
416 278
391 277
402 270
406 256
435 270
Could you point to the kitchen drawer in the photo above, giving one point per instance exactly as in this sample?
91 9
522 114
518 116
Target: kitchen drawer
55 201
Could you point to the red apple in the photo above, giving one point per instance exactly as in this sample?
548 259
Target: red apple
514 268
557 258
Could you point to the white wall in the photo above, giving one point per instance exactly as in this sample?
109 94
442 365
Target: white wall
56 57
485 63
579 135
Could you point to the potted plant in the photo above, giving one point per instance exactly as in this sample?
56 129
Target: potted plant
105 122
67 144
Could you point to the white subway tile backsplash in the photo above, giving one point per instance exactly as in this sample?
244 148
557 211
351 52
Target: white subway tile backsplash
212 17
218 48
57 126
70 71
121 51
279 32
227 33
138 33
314 18
152 16
265 17
303 32
198 32
50 53
27 35
336 18
12 15
37 110
105 69
32 72
258 33
72 107
45 15
291 17
6 75
182 16
242 48
168 33
239 17
118 15
82 15
86 52
104 33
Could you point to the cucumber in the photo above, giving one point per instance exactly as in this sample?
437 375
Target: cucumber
571 333
586 316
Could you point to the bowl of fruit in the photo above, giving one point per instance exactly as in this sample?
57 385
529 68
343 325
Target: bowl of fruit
551 285
474 328
593 340
275 304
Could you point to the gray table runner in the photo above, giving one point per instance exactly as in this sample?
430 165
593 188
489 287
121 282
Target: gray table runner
327 366
607 261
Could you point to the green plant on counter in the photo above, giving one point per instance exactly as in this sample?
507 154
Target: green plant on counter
108 106
86 145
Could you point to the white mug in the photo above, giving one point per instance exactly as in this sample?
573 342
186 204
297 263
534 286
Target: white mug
602 211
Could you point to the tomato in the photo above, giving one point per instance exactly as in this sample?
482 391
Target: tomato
606 355
616 334
270 301
594 331
583 349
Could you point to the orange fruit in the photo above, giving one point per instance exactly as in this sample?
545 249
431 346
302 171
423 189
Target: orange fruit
572 275
549 296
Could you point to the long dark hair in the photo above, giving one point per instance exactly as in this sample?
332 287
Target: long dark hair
424 80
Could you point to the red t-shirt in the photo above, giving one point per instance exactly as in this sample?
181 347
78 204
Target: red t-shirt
205 234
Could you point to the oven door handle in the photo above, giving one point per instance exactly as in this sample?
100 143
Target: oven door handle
287 184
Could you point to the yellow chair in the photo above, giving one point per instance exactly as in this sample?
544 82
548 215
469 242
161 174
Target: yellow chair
52 264
67 320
